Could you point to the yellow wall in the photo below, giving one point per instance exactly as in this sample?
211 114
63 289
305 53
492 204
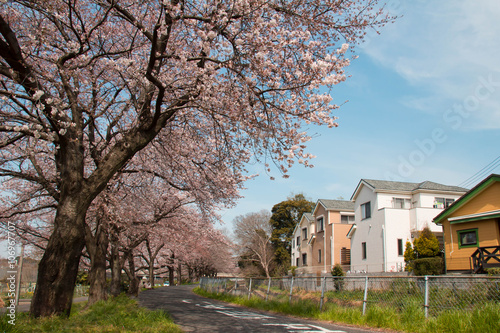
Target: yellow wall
488 230
487 200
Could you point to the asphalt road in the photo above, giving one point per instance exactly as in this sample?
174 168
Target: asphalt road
194 313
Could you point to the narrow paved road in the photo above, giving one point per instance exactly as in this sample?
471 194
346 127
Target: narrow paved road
194 313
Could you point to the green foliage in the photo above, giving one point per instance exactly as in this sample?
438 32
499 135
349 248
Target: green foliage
285 216
82 278
293 269
338 272
119 314
428 266
492 271
409 256
426 245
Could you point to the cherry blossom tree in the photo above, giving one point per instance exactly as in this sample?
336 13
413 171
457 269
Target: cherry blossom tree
87 84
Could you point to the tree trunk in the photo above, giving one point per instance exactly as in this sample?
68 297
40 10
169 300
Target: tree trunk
115 261
152 275
116 271
133 288
97 279
58 267
170 275
97 246
179 273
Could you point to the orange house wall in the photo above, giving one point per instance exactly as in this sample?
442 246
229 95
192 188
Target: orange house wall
332 222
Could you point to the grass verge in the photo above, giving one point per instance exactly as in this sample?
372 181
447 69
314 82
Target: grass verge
485 318
119 314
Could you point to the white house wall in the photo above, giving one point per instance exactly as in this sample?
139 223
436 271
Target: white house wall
397 226
369 231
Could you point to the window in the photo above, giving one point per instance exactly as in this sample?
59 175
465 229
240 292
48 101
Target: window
304 259
319 255
297 262
320 224
346 219
298 241
401 203
293 243
366 211
304 233
468 238
363 250
400 247
442 202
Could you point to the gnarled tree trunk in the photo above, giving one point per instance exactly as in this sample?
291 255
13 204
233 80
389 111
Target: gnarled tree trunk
58 267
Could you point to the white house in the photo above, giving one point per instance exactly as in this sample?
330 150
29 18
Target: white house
301 247
389 213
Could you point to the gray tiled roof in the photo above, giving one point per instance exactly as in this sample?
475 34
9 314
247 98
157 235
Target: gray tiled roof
308 216
337 204
404 186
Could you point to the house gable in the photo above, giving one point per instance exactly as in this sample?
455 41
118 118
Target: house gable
484 197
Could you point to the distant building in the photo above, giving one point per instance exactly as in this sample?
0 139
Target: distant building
319 240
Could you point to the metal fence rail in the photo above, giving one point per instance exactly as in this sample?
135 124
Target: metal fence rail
433 294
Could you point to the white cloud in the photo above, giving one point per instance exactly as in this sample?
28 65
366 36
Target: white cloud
444 48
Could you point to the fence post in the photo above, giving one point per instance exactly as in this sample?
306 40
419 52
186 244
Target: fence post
249 288
268 287
365 296
235 286
426 297
291 290
322 293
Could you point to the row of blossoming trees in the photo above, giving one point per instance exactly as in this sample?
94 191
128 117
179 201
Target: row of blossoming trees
123 118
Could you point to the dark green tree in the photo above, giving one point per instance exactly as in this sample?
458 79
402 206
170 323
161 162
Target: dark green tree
285 216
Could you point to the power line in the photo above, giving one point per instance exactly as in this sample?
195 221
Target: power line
481 173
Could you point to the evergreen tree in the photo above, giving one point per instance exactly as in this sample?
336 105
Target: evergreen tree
285 216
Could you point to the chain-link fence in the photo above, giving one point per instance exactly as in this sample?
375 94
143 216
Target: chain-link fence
432 293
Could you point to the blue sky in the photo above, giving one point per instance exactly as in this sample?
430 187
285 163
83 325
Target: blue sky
423 104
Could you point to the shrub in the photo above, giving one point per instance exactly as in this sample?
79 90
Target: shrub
493 271
426 245
409 256
427 266
338 273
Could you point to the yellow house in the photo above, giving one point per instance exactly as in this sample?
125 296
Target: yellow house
471 227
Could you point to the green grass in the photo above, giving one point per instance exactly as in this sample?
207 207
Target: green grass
119 314
408 317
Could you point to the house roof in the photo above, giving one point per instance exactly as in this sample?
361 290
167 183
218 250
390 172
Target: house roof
336 204
473 192
387 185
307 216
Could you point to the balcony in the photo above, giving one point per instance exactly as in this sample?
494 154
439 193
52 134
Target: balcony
485 257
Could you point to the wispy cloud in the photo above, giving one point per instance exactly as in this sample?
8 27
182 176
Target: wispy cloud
446 49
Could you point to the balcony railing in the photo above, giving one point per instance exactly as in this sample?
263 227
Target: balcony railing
485 257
